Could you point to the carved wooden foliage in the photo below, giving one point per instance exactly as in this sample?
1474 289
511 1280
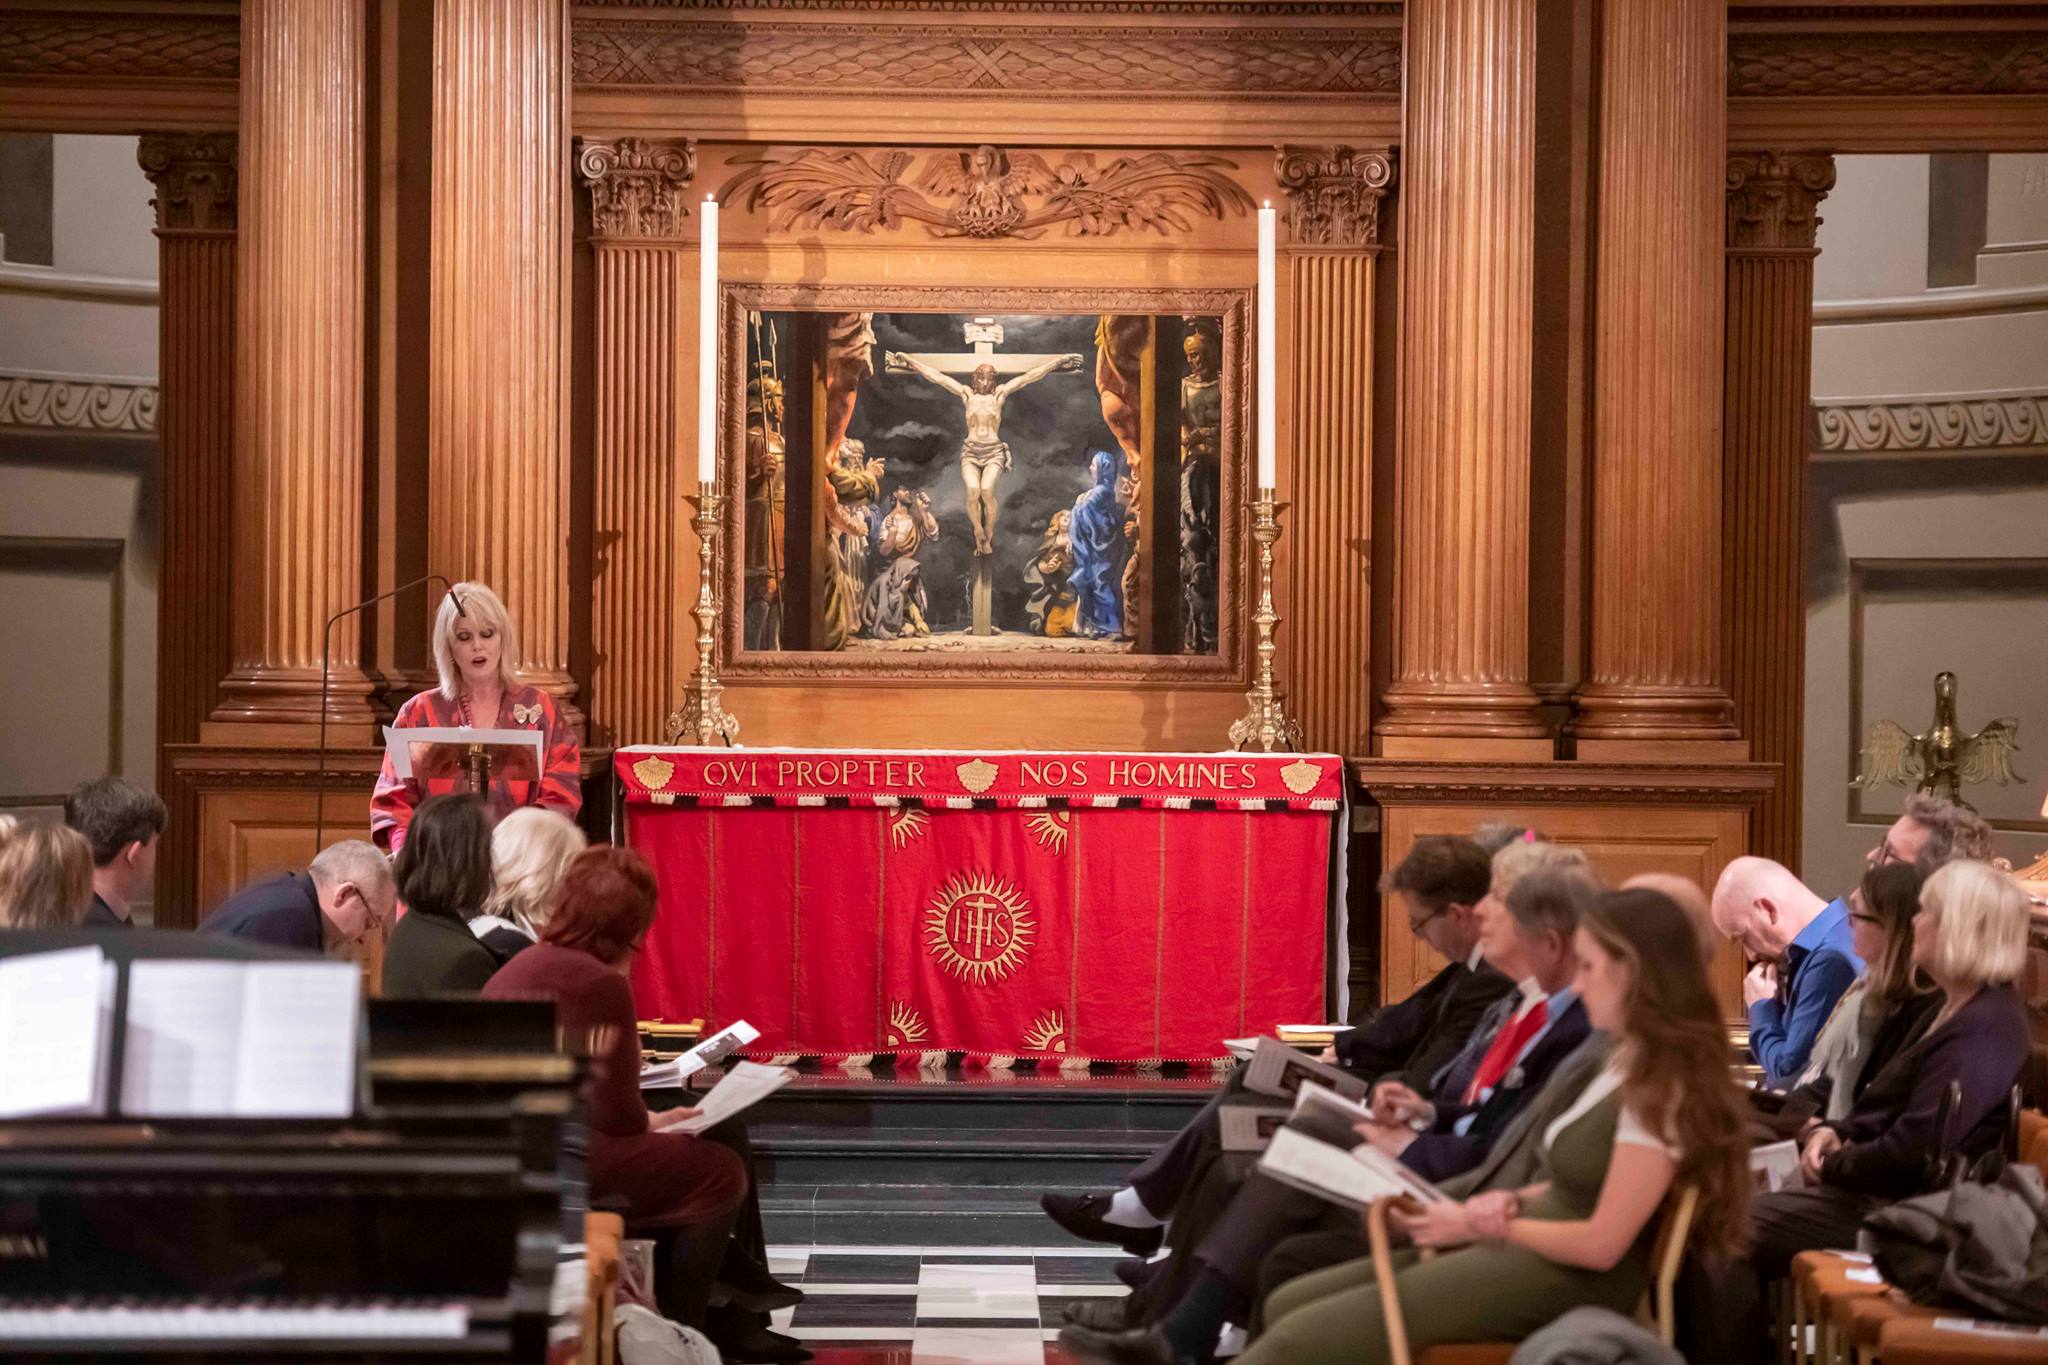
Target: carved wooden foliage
637 184
194 175
1334 193
1774 198
988 191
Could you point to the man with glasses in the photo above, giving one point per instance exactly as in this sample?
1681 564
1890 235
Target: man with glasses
1931 832
1439 885
331 907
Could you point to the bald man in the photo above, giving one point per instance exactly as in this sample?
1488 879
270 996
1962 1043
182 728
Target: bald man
1690 899
1800 945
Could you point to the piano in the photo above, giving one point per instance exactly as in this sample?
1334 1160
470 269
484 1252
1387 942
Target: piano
426 1227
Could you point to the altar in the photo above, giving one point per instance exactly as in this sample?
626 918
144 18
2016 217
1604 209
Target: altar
991 908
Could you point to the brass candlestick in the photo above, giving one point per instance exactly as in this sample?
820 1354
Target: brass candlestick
1265 721
703 719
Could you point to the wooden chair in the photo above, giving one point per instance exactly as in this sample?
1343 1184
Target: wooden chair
599 1340
1667 1254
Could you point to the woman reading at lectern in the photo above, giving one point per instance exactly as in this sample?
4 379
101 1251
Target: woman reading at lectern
473 648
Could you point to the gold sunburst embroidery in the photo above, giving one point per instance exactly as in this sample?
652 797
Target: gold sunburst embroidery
653 772
1049 828
979 927
1301 776
1048 1033
907 824
906 1026
977 775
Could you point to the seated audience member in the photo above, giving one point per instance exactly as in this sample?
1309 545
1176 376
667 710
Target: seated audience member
1689 899
1440 884
686 1191
346 893
1803 960
1531 938
1970 938
122 823
1662 1112
1885 1010
1932 832
45 876
444 874
530 851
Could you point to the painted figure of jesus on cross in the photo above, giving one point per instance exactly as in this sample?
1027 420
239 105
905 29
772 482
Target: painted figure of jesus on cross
984 455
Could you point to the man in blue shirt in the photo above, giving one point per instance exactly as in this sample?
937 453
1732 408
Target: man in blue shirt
1800 945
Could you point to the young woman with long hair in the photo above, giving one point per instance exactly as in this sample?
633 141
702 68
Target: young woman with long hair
1664 1112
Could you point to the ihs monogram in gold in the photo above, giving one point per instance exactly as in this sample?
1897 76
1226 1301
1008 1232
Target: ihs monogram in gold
979 927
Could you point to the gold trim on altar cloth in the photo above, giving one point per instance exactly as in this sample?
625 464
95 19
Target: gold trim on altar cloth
654 773
907 824
979 927
1049 828
977 775
1048 1033
1301 776
907 1027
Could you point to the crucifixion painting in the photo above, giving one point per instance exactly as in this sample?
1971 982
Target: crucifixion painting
984 455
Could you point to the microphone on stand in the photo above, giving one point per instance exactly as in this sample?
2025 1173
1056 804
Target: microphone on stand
326 681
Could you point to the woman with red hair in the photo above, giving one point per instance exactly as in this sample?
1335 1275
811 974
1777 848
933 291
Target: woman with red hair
692 1194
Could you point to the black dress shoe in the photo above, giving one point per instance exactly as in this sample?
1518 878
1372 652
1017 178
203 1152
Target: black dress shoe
1083 1215
1135 1274
1140 1346
1104 1315
745 1283
761 1345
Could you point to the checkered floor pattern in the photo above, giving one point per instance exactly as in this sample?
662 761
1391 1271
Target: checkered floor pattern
937 1305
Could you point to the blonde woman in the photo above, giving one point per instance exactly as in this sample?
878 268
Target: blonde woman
474 645
531 849
45 876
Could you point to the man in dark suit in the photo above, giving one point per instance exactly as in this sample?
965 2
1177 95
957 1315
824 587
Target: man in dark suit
1439 885
342 896
122 823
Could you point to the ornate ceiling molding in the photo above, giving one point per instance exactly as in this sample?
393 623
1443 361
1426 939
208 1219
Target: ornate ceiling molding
2003 424
1180 62
194 175
156 44
636 185
1774 198
1334 193
1914 64
987 191
77 403
1405 782
1235 9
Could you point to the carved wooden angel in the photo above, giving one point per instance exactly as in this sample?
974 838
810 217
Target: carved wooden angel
1941 760
989 185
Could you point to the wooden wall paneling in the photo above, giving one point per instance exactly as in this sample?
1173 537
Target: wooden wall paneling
1655 670
194 176
1335 206
119 67
1460 631
639 207
497 400
1771 221
299 383
1629 818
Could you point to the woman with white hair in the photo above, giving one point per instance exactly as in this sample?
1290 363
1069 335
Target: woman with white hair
531 849
474 646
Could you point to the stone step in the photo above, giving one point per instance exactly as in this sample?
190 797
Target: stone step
910 1215
1035 1160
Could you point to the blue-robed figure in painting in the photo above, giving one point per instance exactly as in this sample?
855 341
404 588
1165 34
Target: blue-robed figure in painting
1099 551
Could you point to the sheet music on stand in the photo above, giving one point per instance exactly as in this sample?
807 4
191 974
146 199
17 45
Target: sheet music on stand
241 1039
56 1028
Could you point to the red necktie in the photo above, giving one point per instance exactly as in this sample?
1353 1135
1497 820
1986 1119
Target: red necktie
1507 1045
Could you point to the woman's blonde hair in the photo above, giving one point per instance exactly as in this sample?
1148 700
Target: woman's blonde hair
45 877
1519 859
481 608
531 850
1981 917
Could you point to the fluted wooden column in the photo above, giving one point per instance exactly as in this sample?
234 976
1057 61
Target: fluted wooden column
1656 665
194 176
499 509
1460 677
298 460
1334 200
1772 203
638 205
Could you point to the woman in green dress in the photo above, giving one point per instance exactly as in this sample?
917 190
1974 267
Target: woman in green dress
1665 1111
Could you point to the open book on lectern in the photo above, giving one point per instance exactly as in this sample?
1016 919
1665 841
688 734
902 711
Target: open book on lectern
442 752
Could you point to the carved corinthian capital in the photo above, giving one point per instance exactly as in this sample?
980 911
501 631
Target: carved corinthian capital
1334 193
1773 198
194 175
636 184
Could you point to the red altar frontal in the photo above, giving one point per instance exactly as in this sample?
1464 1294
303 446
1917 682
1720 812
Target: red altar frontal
1053 906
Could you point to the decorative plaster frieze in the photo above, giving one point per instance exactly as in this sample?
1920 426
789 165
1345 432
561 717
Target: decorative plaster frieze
78 403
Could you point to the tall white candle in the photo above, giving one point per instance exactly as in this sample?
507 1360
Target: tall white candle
1268 396
707 346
